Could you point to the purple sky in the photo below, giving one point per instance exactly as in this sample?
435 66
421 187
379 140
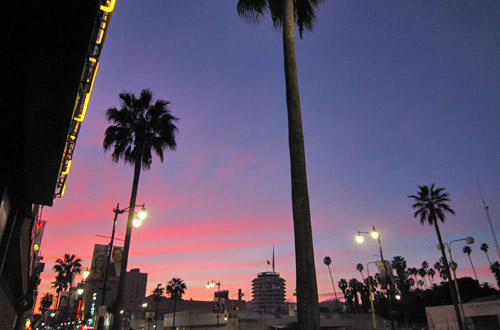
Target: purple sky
395 94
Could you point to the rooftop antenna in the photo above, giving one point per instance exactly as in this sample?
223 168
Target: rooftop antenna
273 259
488 216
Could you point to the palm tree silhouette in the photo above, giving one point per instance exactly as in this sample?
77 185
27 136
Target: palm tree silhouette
467 250
343 286
59 285
138 128
430 206
484 247
68 267
46 302
423 273
431 272
175 288
327 261
495 269
360 268
285 13
157 297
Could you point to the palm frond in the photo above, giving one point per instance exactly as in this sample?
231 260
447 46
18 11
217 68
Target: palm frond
252 10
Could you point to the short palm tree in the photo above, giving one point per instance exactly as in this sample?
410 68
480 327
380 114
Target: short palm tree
285 14
423 273
484 247
430 273
467 250
158 293
175 288
46 302
399 263
343 286
354 286
138 128
327 261
495 269
430 206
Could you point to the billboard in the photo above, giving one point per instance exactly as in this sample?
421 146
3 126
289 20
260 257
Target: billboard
98 267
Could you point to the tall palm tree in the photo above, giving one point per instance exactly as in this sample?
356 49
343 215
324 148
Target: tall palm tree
157 296
430 206
327 261
138 128
285 13
360 268
467 250
484 247
175 288
68 267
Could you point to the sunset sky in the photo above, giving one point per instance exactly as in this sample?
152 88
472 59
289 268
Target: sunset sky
395 94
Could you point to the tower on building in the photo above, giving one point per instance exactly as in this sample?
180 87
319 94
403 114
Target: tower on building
268 291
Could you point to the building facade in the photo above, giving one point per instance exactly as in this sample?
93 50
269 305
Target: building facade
53 53
135 292
268 291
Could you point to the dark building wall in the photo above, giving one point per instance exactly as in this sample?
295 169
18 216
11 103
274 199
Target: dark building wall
45 46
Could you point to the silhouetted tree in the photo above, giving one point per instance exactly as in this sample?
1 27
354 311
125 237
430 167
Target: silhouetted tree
495 269
46 302
431 272
484 248
284 14
327 261
360 268
68 267
175 288
138 129
157 297
467 250
59 285
430 206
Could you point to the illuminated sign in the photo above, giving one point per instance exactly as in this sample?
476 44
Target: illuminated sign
84 91
109 7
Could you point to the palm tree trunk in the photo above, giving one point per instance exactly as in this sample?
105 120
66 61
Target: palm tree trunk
473 269
488 257
126 246
450 280
307 291
333 285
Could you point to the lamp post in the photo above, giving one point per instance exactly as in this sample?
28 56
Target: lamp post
370 294
137 222
375 234
211 284
469 240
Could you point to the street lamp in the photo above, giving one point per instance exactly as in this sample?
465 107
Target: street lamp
374 320
137 222
211 284
468 240
375 234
